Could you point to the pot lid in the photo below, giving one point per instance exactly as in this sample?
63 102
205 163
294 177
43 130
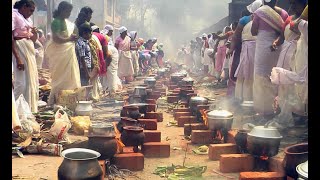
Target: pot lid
247 103
220 113
138 104
162 70
140 87
197 99
302 169
188 79
101 125
176 75
84 102
265 132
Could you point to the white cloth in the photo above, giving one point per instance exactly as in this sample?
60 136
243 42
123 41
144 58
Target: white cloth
111 80
122 29
26 82
264 91
63 66
254 6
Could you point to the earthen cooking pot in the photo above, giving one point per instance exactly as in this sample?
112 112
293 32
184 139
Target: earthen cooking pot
132 136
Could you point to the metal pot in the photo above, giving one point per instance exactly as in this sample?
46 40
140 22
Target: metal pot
85 161
220 119
105 145
142 107
132 136
161 72
264 141
302 170
195 101
241 140
84 108
295 155
176 77
187 81
101 128
140 91
150 81
247 106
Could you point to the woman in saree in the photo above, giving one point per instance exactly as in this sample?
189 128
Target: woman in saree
291 73
244 71
267 24
24 61
288 39
134 51
122 43
60 53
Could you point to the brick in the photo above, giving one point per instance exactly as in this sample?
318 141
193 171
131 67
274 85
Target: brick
181 110
201 137
179 114
231 134
154 115
276 165
152 136
151 107
151 96
162 90
172 99
261 176
156 149
151 101
215 150
193 126
156 93
182 120
127 149
131 161
176 91
148 124
172 87
231 163
103 167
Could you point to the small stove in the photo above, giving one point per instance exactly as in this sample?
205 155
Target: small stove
261 163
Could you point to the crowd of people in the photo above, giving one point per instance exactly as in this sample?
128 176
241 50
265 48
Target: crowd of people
77 54
262 58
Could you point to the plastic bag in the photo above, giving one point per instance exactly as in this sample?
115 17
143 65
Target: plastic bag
23 108
80 124
61 126
30 127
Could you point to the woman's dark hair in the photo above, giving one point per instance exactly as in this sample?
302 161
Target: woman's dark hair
64 5
82 17
21 3
84 28
87 10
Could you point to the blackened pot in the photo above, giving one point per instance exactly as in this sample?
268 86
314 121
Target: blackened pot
106 146
259 146
295 155
132 136
80 164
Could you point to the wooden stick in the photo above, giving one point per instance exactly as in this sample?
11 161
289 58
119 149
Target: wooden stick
185 155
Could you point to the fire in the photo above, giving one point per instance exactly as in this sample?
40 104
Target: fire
120 144
264 157
219 135
204 116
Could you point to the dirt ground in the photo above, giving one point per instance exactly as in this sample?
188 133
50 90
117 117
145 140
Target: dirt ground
46 167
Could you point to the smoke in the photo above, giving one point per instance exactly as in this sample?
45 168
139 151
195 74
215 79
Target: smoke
175 23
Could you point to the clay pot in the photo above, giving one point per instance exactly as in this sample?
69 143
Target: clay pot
125 121
106 146
80 164
241 140
132 136
295 155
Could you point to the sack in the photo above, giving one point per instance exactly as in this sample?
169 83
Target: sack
61 126
80 124
45 148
